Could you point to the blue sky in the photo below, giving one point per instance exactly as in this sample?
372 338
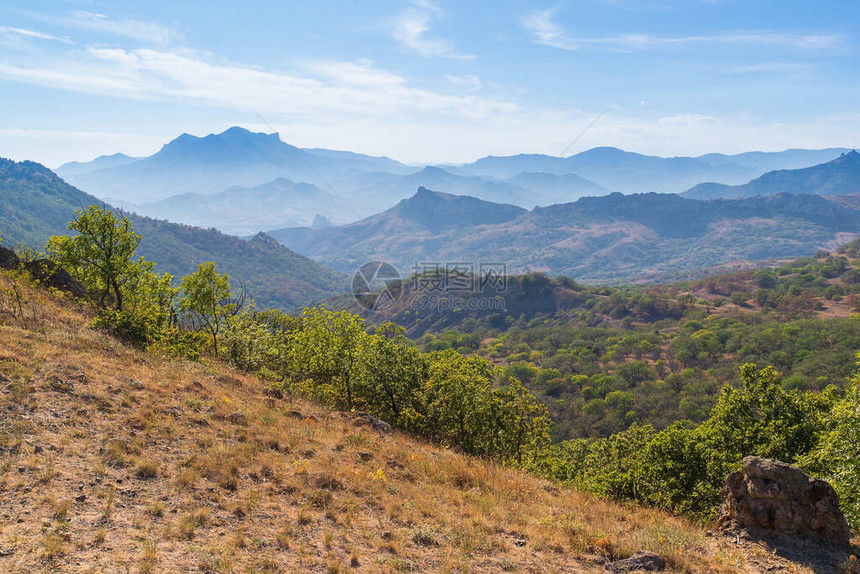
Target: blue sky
430 81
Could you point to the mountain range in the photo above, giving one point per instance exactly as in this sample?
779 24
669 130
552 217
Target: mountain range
840 176
629 172
238 173
616 238
35 204
211 164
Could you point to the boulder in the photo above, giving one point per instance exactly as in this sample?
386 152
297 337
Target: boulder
769 497
374 423
45 271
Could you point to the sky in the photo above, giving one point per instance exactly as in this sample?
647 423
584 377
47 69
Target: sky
430 81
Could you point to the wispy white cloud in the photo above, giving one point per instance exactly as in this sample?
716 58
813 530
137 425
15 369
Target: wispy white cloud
546 31
152 33
35 34
770 67
411 29
470 82
359 73
688 120
325 88
129 28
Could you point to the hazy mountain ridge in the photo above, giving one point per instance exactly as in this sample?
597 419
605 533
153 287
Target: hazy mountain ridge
840 176
210 164
245 210
213 164
74 168
628 172
35 204
613 238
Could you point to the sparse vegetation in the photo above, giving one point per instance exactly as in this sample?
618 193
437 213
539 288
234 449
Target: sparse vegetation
224 453
481 515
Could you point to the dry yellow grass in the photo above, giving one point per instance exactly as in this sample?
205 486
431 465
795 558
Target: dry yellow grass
114 460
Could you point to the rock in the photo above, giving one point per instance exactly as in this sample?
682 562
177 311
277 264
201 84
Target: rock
8 258
375 423
769 497
52 275
46 272
365 456
641 561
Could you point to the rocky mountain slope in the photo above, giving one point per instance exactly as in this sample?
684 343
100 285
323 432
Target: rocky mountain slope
605 239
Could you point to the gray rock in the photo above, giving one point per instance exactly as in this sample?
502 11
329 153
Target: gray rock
770 497
374 423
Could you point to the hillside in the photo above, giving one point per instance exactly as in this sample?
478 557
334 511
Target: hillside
616 238
840 176
35 204
115 459
603 358
411 229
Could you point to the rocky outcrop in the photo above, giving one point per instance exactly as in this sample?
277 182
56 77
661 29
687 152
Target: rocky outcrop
46 272
769 497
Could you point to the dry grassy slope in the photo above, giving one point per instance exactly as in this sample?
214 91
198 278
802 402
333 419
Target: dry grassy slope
114 460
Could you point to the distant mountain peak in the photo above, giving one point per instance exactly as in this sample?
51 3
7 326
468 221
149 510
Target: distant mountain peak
433 169
436 210
262 238
232 135
237 132
320 222
424 193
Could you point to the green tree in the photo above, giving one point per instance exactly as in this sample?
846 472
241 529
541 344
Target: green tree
393 371
101 255
761 419
523 421
458 402
325 353
206 299
837 459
